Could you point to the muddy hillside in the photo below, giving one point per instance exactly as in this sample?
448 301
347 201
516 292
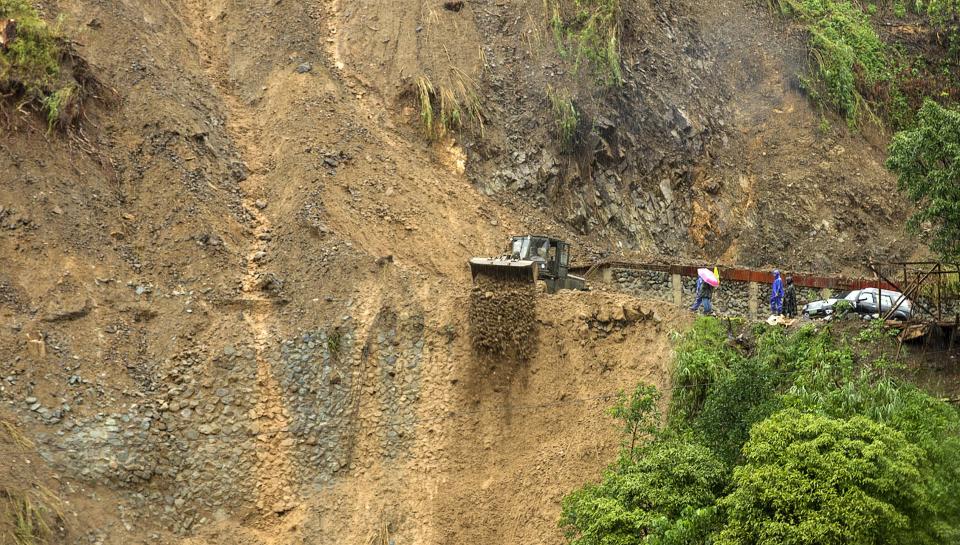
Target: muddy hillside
234 296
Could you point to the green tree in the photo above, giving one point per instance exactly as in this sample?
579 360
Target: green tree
638 416
667 496
927 161
738 400
811 479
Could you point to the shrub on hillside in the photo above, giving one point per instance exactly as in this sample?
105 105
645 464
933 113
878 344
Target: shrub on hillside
810 441
738 400
926 160
665 496
703 356
811 479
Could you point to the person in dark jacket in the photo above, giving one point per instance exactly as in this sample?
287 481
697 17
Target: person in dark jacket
706 294
790 299
699 299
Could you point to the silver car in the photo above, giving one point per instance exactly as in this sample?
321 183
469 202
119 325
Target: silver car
864 302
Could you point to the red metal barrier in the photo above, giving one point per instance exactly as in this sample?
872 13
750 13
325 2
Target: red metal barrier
736 274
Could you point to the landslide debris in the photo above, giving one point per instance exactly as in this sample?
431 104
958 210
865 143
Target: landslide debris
503 319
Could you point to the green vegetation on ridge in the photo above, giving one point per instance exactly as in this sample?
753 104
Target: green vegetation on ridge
799 439
846 53
30 69
927 161
863 74
588 32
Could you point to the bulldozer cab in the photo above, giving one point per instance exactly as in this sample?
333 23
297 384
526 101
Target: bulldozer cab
552 255
529 259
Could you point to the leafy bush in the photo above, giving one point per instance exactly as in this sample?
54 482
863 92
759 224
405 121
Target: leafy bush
666 496
933 426
876 331
810 442
842 307
811 479
926 160
703 356
738 400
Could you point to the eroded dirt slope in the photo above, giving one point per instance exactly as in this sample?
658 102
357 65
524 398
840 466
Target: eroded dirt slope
234 305
707 149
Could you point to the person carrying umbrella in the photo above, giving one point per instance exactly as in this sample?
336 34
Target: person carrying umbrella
776 294
706 281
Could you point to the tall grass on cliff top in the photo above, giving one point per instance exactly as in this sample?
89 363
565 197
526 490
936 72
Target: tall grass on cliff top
846 54
30 69
588 32
796 437
449 106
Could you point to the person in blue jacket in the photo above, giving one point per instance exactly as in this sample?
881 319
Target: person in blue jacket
776 294
699 300
704 296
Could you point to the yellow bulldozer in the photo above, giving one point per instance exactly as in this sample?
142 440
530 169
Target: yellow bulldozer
530 258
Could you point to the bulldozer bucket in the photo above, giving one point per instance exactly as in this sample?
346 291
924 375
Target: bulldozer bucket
507 270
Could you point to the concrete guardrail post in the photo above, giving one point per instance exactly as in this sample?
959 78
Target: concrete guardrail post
677 286
753 299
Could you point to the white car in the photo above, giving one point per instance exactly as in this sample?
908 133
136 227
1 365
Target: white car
864 302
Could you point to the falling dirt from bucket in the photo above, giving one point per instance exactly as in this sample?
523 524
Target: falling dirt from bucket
503 318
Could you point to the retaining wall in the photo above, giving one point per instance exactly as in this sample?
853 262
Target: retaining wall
731 297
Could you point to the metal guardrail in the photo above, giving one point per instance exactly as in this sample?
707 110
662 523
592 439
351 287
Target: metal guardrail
737 274
935 281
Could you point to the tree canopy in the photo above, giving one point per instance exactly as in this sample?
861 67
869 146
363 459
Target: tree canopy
927 161
811 479
801 439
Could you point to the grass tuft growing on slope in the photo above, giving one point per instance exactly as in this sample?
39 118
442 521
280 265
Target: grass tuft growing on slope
588 32
32 71
448 107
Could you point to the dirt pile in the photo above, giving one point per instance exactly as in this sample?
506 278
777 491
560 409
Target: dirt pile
503 319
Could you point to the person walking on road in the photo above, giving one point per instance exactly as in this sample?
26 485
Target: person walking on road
790 299
699 299
776 294
704 297
707 295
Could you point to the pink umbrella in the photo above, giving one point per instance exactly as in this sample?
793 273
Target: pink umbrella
708 277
